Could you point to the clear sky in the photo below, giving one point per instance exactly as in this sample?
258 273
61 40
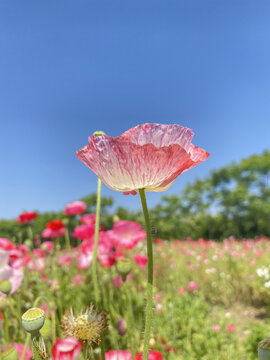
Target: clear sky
68 68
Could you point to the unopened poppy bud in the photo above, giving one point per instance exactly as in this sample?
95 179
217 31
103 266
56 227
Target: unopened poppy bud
99 133
264 349
65 221
46 330
121 327
123 266
5 286
3 303
33 320
28 243
10 354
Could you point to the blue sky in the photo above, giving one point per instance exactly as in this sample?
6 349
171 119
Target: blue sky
68 68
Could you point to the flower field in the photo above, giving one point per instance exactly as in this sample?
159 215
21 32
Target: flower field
210 299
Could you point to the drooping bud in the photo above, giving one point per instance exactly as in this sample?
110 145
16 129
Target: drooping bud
99 133
46 330
121 327
33 320
123 267
5 286
10 354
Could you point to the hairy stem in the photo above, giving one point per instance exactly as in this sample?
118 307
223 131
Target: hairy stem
148 311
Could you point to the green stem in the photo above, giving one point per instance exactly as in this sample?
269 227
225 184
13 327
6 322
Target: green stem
53 327
130 320
94 263
150 276
27 343
67 239
6 328
30 232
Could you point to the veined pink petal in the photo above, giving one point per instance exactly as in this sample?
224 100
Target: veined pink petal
149 156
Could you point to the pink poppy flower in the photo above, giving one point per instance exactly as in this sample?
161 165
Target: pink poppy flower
118 355
65 260
148 156
7 272
6 244
77 280
88 219
75 208
66 349
83 232
27 217
152 355
118 281
230 328
47 246
193 286
216 327
141 260
54 229
181 290
126 234
37 264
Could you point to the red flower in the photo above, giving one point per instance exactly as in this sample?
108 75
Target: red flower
55 225
66 349
152 355
54 229
27 217
148 156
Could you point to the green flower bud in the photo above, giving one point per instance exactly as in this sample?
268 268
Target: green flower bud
28 243
98 133
5 286
33 320
10 354
123 266
46 330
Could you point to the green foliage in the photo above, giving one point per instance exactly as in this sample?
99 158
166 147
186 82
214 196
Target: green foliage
234 200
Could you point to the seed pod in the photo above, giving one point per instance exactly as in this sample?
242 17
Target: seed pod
33 320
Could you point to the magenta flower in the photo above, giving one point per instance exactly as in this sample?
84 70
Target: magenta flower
126 234
75 208
66 349
148 156
84 232
7 272
141 260
230 328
